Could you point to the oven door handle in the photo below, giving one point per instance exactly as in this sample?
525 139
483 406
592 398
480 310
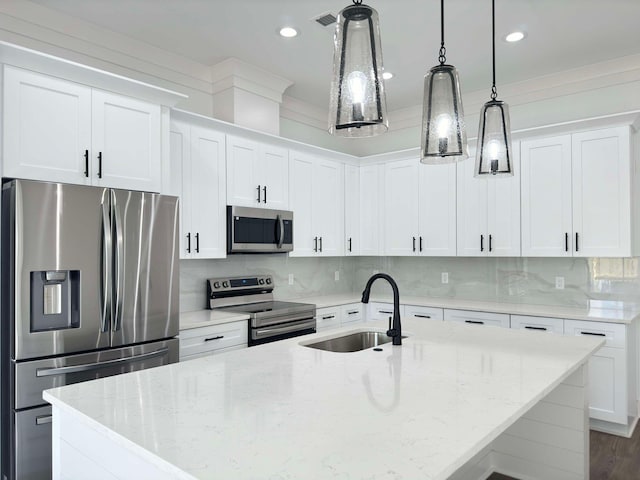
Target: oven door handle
269 332
280 239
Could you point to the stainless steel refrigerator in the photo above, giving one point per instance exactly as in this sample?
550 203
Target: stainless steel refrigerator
90 288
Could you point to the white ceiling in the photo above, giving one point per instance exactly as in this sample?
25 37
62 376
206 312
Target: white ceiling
562 34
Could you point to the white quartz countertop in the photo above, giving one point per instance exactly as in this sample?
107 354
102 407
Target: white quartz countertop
597 312
207 318
284 411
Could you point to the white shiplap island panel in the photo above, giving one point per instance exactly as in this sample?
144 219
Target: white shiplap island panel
453 400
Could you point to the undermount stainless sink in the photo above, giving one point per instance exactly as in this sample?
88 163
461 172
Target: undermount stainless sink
352 342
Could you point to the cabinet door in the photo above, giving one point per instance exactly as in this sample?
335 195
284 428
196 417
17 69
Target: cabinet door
537 324
47 128
351 210
242 184
125 142
372 200
437 210
546 197
401 207
608 385
472 211
601 193
503 212
274 176
301 196
208 194
328 207
180 141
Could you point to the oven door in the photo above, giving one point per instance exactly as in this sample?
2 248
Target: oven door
259 230
272 333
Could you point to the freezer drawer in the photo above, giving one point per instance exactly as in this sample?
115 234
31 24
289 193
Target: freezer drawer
31 443
32 377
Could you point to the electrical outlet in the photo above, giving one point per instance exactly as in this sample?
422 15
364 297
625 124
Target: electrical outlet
560 283
336 276
291 279
445 277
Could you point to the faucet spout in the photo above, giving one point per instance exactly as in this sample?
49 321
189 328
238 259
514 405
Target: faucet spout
395 329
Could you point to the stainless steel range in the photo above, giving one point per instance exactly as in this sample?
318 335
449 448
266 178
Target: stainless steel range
270 320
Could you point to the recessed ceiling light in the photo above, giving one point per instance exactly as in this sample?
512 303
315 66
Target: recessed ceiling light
288 32
514 37
387 75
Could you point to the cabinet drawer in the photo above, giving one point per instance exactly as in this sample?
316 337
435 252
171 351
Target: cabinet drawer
423 313
207 339
538 324
351 313
613 333
327 318
477 318
217 351
381 311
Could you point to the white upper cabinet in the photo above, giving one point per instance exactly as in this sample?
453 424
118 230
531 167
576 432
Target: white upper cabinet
601 178
257 174
317 201
372 201
61 131
125 142
420 209
488 211
547 229
401 211
352 210
198 160
576 195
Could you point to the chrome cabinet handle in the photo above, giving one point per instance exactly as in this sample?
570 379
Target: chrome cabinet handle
49 372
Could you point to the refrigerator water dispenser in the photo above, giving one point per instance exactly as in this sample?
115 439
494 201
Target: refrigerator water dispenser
55 300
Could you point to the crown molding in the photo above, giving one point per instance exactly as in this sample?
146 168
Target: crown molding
235 73
303 112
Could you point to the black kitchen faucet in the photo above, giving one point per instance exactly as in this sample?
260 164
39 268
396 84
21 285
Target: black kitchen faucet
395 329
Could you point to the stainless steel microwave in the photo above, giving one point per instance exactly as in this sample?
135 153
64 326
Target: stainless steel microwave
259 230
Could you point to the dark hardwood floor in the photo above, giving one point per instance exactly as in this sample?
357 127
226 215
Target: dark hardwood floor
612 458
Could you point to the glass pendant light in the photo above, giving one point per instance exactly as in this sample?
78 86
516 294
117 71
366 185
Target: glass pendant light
494 155
358 105
444 135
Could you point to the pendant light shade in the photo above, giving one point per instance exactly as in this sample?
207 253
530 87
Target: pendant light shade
494 155
358 105
444 135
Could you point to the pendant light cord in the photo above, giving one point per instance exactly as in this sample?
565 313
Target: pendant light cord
443 51
494 91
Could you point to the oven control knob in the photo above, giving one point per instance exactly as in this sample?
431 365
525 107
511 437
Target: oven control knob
268 281
225 284
261 281
216 284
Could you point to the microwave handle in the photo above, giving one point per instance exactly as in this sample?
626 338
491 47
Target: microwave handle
281 230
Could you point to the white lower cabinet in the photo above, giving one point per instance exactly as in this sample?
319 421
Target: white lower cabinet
427 313
538 324
327 318
381 311
203 341
477 318
351 314
611 370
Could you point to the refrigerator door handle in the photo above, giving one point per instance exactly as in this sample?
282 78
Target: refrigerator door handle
48 372
105 290
118 263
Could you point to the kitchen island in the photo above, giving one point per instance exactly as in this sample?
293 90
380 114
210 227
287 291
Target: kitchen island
454 401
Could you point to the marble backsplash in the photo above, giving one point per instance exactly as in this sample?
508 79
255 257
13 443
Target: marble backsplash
514 280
